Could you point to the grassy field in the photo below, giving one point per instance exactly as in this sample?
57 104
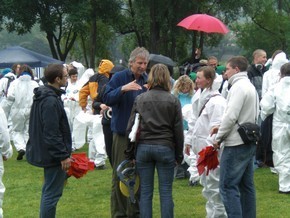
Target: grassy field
90 196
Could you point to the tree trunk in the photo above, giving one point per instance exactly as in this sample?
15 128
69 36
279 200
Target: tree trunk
93 35
49 37
154 29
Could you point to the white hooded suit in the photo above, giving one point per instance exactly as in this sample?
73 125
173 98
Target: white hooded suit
20 97
277 101
6 151
272 76
208 109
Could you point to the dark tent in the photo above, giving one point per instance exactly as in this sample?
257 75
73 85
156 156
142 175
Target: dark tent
21 55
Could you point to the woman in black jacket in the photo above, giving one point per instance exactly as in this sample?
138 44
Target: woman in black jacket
160 143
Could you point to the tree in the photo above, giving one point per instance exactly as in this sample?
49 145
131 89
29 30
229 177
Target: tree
52 17
96 32
267 27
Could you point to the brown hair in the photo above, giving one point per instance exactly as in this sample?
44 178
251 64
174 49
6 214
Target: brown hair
25 68
209 73
53 71
159 76
285 70
72 71
238 61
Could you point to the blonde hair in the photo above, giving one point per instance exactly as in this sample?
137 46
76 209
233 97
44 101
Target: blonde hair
181 82
159 76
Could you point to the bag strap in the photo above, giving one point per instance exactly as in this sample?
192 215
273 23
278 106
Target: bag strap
206 103
9 80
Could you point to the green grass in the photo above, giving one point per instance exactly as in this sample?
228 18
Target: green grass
90 196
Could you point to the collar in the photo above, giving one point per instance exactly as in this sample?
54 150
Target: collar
238 76
59 92
143 76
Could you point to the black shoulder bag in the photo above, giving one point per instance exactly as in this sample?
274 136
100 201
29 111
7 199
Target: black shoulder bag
250 132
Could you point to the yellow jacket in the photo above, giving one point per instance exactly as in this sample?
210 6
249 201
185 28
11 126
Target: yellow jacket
95 83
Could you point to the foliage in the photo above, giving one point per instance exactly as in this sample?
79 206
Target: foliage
89 196
86 30
35 40
267 27
51 17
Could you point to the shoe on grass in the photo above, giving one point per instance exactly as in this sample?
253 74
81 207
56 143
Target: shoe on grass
20 155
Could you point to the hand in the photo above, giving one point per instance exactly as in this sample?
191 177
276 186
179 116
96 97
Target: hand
65 164
132 86
216 145
84 109
214 130
187 149
103 107
146 86
197 53
4 158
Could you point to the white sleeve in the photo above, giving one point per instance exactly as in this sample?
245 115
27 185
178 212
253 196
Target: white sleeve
188 135
267 104
5 146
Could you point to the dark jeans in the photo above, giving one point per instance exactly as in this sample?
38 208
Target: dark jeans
121 206
162 158
54 178
237 181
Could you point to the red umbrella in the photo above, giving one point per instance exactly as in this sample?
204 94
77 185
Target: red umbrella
80 165
204 23
208 158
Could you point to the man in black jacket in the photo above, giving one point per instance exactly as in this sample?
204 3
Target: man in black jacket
257 69
49 145
255 74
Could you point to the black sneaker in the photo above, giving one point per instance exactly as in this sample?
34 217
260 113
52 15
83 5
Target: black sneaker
287 192
20 155
191 183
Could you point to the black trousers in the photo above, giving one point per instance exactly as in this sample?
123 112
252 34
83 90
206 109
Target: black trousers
108 136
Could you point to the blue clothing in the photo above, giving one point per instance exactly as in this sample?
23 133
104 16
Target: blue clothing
184 99
163 158
54 178
236 181
120 102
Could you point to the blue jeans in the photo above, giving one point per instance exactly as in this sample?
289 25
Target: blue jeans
54 178
163 158
236 181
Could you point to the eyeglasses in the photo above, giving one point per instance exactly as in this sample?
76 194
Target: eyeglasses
66 76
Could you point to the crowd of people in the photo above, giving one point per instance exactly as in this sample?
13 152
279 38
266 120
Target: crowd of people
49 118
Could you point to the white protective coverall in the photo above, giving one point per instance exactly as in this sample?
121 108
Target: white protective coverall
272 76
4 83
71 102
191 119
211 115
80 68
277 101
6 151
20 96
80 130
97 152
